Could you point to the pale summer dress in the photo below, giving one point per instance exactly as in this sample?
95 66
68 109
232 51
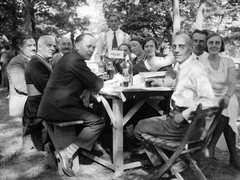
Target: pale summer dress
219 80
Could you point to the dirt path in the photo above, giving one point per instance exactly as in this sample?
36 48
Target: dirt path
18 162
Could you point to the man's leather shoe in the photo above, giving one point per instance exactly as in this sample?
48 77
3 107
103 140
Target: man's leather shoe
65 162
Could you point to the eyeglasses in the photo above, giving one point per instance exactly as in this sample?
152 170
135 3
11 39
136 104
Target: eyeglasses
113 21
180 46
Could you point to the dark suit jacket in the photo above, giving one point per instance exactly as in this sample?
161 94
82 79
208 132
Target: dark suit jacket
70 77
37 72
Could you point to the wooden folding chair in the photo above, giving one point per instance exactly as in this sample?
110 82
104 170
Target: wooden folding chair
61 135
186 146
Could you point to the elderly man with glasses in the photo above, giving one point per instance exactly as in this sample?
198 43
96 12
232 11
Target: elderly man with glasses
188 93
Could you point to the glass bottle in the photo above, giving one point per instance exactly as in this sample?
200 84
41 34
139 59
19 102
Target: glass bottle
127 72
110 70
101 65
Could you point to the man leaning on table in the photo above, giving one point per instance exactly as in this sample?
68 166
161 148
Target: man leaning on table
192 88
111 39
61 102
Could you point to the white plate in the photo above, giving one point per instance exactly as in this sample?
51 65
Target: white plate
143 88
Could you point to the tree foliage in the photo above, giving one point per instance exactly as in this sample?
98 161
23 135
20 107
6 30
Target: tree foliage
143 17
37 17
139 17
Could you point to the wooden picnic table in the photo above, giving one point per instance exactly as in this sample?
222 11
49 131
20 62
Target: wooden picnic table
118 96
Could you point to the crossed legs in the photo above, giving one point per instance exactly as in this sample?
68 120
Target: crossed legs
92 128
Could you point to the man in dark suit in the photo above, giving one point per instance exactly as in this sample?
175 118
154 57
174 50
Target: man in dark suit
37 73
61 101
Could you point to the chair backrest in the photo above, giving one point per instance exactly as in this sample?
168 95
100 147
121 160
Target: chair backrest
198 117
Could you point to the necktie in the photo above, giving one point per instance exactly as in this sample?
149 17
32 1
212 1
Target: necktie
114 42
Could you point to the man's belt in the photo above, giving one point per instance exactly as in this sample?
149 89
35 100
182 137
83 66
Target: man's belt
32 91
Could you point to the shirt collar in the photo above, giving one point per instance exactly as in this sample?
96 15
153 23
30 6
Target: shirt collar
186 62
115 31
194 55
43 57
147 65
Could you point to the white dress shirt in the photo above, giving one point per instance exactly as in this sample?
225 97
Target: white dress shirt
105 42
203 56
192 87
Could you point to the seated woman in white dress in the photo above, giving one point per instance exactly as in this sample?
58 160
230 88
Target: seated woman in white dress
221 73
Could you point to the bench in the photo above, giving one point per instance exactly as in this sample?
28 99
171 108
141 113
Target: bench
61 134
187 145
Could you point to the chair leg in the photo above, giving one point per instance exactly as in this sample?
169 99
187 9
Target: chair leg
152 153
166 166
195 166
61 137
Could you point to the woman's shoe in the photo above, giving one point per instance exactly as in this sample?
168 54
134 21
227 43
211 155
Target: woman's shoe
65 163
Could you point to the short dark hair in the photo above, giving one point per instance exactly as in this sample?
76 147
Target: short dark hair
23 39
222 41
125 44
138 39
114 15
147 39
81 36
204 32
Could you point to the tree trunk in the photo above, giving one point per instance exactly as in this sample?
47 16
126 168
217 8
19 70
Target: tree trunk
176 16
200 15
29 17
14 28
72 37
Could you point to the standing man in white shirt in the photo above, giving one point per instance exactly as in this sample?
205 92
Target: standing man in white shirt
199 44
111 39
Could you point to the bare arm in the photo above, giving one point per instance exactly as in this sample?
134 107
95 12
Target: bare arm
232 85
168 60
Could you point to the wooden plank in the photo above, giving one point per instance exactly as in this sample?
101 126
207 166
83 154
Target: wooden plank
162 169
136 164
118 136
133 111
109 111
70 123
99 160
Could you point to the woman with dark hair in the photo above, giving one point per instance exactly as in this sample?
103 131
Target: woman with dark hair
136 48
152 62
221 73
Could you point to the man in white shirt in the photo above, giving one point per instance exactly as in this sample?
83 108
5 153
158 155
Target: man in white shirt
107 41
192 88
199 44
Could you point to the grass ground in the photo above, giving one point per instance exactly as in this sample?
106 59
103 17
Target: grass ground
18 162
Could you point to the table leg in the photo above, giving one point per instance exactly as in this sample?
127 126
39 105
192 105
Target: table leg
118 137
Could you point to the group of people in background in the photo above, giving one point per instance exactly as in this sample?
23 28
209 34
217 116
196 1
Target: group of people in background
51 85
